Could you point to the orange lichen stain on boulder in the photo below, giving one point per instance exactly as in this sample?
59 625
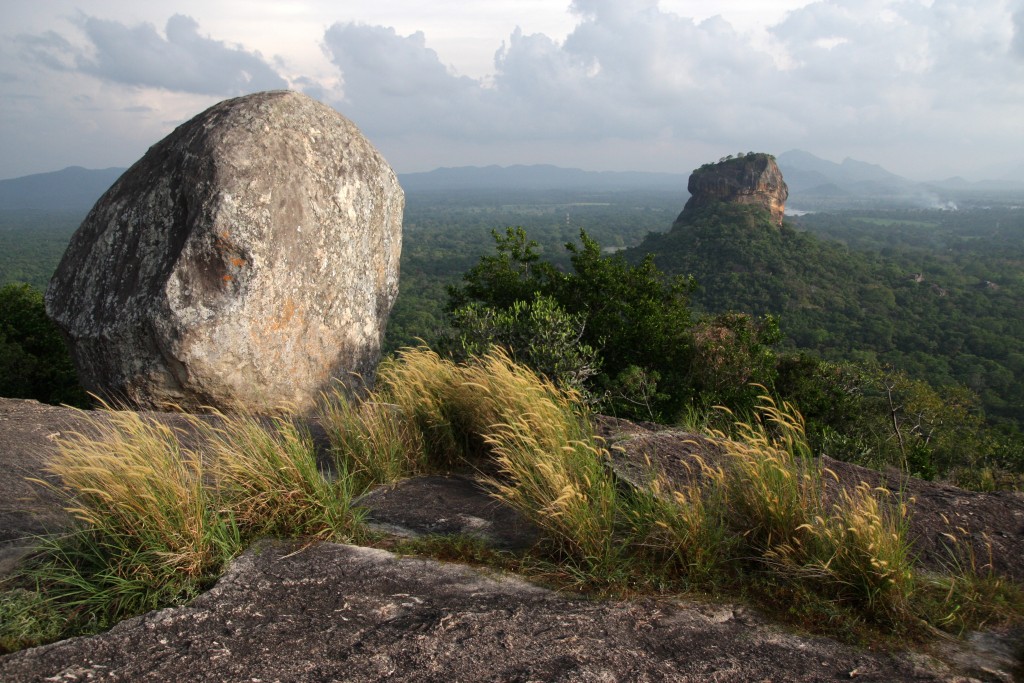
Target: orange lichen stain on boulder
238 262
287 313
228 278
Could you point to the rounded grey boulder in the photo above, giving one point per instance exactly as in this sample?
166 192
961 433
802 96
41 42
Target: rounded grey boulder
247 259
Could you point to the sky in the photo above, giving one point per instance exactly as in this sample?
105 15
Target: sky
929 89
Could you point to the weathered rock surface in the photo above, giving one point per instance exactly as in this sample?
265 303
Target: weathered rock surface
246 259
27 433
754 179
447 506
334 612
344 613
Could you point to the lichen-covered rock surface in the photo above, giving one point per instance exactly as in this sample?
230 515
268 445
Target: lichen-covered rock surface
246 259
752 179
345 613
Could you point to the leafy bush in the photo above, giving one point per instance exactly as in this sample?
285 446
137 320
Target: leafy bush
639 350
34 361
538 333
879 417
732 356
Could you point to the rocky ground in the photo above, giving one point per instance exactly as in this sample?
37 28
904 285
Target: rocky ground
336 612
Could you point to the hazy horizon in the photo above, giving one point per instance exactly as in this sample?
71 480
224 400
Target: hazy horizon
682 174
928 89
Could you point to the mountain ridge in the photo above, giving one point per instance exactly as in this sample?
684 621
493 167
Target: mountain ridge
537 177
70 188
813 183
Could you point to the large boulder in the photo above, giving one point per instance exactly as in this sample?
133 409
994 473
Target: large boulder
246 260
751 179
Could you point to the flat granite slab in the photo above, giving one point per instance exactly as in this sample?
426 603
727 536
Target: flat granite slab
447 505
345 613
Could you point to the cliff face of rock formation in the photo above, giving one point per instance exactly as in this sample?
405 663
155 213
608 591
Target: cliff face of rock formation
247 259
752 179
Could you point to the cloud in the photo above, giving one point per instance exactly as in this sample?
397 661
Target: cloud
911 84
1018 33
49 49
397 82
868 77
181 60
628 70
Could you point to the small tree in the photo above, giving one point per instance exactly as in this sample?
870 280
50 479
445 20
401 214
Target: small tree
537 333
732 354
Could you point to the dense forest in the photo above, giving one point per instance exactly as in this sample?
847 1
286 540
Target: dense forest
32 242
938 294
445 233
869 319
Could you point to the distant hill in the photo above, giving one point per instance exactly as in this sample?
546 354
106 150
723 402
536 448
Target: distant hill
538 177
816 183
72 189
800 167
77 189
998 185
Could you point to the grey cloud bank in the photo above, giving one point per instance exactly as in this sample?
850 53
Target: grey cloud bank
927 88
139 56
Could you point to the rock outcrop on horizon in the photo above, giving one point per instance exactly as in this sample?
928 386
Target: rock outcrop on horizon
752 179
247 259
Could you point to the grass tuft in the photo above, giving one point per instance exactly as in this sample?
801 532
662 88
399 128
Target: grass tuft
157 520
267 477
425 389
854 549
373 441
969 594
27 618
682 533
430 413
141 496
563 488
